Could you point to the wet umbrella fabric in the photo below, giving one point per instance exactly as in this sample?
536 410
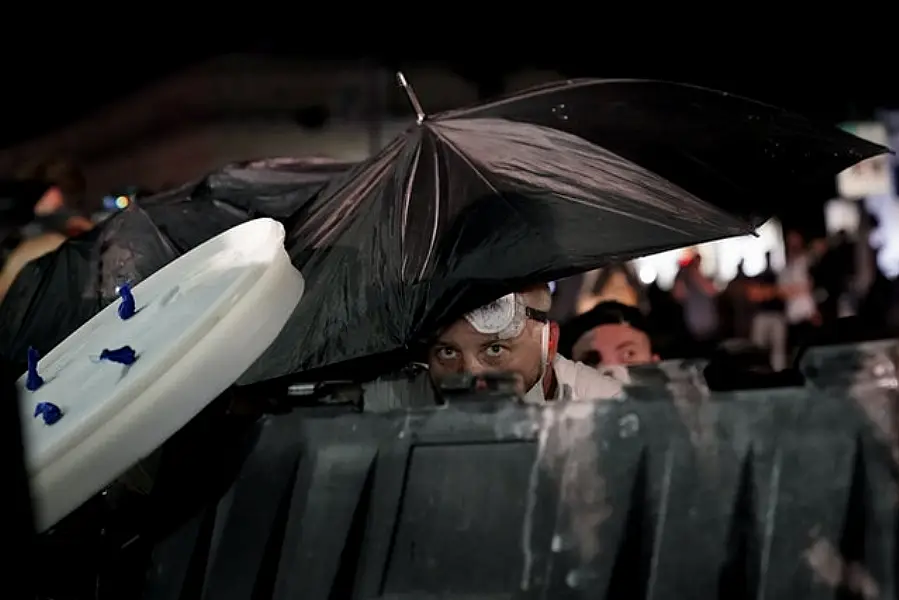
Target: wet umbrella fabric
273 187
741 155
57 293
467 205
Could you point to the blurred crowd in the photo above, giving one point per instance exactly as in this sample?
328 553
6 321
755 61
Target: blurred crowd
814 298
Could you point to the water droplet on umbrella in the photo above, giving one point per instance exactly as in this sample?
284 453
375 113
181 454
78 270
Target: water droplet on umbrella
561 111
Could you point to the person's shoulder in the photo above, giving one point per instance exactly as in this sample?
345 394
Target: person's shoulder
37 246
23 254
586 382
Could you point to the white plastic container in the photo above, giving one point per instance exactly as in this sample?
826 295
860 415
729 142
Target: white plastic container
201 321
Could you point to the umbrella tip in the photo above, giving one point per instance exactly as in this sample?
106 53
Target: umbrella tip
413 99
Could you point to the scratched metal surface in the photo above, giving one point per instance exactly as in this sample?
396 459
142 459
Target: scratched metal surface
670 491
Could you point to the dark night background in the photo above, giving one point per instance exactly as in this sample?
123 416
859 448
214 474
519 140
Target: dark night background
804 70
825 75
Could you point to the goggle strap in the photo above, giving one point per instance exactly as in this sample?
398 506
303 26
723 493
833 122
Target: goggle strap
536 314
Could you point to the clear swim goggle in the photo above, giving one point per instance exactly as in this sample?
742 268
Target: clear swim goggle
505 317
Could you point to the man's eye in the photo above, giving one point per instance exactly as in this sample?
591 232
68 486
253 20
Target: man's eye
494 350
629 354
446 354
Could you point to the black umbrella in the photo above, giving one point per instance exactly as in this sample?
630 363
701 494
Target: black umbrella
472 203
59 292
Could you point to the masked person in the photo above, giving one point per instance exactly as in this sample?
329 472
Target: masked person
611 333
514 335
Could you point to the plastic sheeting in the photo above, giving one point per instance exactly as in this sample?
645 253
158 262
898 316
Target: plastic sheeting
57 293
470 204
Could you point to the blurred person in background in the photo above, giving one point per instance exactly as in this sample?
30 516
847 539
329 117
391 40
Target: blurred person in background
769 324
699 298
617 282
60 212
580 293
565 298
879 307
666 322
735 307
878 299
611 333
796 287
833 273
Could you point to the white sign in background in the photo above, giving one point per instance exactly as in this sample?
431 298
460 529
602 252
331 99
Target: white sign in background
869 177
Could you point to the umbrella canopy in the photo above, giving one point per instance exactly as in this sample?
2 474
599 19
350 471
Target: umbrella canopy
741 155
473 203
57 293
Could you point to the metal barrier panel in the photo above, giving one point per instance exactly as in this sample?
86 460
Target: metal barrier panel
765 494
19 531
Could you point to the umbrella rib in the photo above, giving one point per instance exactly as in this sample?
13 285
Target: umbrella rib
468 162
526 94
436 221
477 172
570 84
407 199
742 229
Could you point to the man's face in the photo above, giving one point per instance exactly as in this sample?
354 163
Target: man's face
462 349
615 344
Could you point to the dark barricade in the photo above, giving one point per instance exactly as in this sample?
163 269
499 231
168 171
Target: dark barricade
19 530
777 493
